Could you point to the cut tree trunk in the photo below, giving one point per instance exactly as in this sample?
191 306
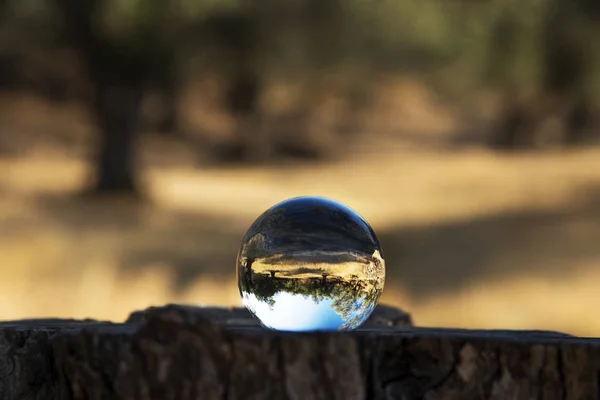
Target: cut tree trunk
177 352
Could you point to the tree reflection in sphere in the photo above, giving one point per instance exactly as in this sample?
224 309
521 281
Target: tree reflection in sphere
310 263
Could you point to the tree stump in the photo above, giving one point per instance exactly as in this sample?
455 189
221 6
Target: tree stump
179 352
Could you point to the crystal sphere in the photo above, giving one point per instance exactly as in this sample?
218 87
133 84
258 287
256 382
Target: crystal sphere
310 264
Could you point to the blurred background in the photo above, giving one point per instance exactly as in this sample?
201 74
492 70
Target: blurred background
139 140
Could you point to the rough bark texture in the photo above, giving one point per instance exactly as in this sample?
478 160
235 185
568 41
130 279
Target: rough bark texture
178 352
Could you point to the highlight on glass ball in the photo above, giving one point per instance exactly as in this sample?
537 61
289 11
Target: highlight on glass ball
310 264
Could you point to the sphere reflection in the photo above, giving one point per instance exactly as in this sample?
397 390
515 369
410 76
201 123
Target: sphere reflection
310 263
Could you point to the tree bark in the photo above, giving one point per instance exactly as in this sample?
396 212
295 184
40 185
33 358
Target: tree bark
178 352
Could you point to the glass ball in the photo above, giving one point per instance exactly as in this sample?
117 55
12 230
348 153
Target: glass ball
310 264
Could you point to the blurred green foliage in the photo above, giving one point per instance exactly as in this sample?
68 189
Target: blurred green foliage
543 50
462 47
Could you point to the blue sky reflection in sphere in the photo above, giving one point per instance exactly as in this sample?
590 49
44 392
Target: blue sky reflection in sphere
310 263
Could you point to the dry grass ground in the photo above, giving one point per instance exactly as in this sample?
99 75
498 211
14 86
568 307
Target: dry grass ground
471 238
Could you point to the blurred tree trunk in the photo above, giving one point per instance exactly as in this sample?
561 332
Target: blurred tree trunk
567 69
563 96
237 35
580 121
117 106
167 82
118 112
245 89
169 121
118 75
